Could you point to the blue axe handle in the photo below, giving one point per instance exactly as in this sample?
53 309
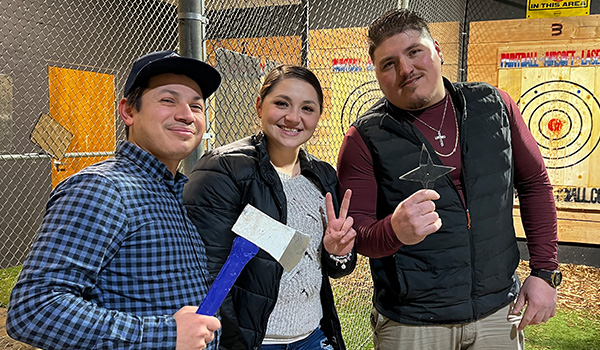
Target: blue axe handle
242 251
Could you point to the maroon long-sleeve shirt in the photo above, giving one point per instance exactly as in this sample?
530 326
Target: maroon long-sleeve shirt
376 238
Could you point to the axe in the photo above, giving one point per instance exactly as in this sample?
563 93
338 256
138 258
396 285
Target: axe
254 230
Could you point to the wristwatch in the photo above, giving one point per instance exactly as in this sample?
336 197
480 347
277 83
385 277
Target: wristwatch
552 277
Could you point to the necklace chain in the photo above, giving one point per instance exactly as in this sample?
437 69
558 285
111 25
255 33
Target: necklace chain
439 136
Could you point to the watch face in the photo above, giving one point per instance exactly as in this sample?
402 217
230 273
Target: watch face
556 278
552 277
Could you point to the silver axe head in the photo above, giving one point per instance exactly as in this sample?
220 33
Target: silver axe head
283 243
255 229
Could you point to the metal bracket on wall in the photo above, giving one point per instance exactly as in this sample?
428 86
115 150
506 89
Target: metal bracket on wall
60 166
193 16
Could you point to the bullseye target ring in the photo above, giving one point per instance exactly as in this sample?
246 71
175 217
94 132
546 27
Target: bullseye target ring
358 102
560 116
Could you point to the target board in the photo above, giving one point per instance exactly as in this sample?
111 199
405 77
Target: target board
561 107
560 115
356 100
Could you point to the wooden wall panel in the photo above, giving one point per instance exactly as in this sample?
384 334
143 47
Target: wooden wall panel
284 49
84 103
550 66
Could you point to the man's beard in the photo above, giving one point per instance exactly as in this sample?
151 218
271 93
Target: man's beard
419 103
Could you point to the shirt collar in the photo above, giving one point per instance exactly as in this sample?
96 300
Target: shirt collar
154 168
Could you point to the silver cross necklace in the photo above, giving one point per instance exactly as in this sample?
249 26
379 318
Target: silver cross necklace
439 136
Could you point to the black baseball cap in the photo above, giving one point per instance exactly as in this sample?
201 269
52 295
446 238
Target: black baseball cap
155 63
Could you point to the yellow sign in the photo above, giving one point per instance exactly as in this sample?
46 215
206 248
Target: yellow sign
557 8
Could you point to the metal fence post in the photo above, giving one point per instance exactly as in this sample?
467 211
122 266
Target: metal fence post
464 44
191 22
305 31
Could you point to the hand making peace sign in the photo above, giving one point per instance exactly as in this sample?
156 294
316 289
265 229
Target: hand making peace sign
339 235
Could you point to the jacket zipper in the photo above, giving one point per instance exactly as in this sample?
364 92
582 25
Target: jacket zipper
467 212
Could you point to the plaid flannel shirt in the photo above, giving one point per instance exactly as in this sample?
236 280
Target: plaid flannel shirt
116 256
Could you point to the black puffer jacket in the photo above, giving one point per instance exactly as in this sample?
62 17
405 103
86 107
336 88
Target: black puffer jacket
220 186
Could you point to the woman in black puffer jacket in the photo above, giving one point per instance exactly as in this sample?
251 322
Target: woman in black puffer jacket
268 308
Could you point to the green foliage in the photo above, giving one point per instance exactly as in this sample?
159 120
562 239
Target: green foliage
568 330
8 278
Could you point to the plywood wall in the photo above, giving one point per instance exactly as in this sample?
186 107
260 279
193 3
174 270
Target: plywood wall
83 103
284 49
551 68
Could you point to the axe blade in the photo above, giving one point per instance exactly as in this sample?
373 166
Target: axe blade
283 243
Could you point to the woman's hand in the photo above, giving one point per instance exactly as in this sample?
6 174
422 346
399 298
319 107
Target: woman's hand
339 235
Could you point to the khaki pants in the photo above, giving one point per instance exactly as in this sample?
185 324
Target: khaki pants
497 331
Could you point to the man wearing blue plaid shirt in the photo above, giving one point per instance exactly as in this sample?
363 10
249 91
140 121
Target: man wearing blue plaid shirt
116 263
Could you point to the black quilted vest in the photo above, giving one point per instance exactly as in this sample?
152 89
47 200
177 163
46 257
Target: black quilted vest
460 273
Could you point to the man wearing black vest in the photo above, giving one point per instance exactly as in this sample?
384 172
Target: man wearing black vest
443 261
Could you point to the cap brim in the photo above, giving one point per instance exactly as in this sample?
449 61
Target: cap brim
206 76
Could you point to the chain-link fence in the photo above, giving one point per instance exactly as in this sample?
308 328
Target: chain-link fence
63 65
